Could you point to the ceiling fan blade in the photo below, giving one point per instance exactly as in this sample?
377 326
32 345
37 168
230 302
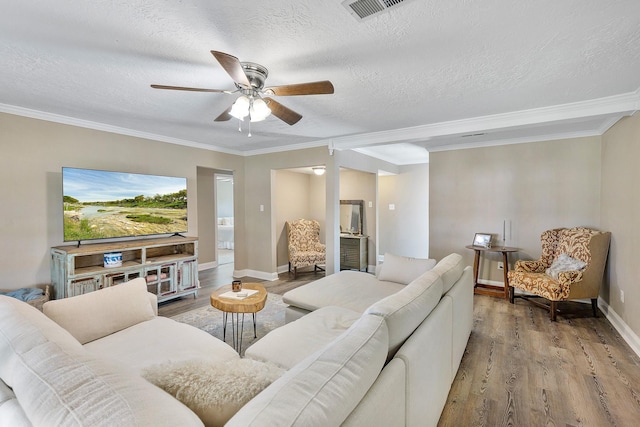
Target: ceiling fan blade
224 116
313 88
232 66
192 89
285 114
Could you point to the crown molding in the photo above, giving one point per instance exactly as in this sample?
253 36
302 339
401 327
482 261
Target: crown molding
624 104
66 120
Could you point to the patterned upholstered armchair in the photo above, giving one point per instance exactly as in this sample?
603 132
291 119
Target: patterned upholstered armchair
558 277
304 246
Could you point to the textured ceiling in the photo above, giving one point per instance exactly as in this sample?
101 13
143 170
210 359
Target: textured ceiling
427 73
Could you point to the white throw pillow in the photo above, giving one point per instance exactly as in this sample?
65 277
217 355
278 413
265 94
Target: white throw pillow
564 263
100 313
400 269
215 392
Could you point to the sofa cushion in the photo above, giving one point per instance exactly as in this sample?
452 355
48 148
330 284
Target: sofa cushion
158 340
11 413
214 391
354 290
302 337
450 269
323 389
22 327
405 310
402 269
97 314
58 383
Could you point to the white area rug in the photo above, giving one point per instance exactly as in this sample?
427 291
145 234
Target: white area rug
209 319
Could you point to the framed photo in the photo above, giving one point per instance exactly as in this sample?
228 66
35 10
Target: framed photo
482 240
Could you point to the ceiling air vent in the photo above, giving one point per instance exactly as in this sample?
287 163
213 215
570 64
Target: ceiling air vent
364 9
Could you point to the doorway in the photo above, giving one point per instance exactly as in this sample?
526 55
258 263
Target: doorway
225 218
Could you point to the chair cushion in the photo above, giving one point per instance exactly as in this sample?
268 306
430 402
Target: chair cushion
97 314
323 389
402 269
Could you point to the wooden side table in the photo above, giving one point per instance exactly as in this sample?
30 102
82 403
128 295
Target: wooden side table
251 304
491 290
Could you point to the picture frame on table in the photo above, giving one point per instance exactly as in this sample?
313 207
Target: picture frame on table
482 240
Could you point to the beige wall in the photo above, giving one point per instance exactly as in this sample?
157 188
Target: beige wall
535 186
33 154
261 228
296 195
620 215
405 230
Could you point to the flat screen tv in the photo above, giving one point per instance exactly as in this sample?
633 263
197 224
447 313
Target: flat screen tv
106 204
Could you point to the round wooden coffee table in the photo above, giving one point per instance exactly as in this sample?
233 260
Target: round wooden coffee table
224 300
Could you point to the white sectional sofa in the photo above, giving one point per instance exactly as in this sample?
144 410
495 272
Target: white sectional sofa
82 364
428 321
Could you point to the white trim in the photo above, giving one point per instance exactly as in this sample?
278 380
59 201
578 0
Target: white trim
207 265
623 104
58 118
623 329
262 275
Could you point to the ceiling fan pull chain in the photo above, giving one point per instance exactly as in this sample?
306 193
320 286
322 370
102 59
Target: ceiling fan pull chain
239 125
249 135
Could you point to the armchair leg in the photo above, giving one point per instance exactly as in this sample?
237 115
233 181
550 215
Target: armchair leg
512 292
553 310
295 272
594 306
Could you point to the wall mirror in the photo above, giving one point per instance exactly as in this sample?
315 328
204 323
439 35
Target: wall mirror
351 216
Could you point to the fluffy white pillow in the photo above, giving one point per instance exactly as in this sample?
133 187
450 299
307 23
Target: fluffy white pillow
564 263
215 392
400 269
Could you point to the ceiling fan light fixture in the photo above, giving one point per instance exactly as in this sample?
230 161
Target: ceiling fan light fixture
240 108
318 170
259 110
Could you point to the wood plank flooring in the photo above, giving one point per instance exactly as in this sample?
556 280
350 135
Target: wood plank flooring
519 368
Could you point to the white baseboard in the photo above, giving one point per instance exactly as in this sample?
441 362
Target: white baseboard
207 265
257 274
623 329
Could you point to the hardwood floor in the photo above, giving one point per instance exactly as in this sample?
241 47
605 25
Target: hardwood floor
519 368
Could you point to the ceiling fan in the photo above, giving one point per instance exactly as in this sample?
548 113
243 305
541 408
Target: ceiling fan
255 101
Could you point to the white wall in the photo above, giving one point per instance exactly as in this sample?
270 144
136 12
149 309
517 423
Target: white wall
405 230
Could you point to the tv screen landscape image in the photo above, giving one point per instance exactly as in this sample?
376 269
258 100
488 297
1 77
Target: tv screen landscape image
105 204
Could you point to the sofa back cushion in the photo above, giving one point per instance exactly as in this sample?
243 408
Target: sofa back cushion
402 269
97 314
450 269
323 389
21 328
57 382
405 310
